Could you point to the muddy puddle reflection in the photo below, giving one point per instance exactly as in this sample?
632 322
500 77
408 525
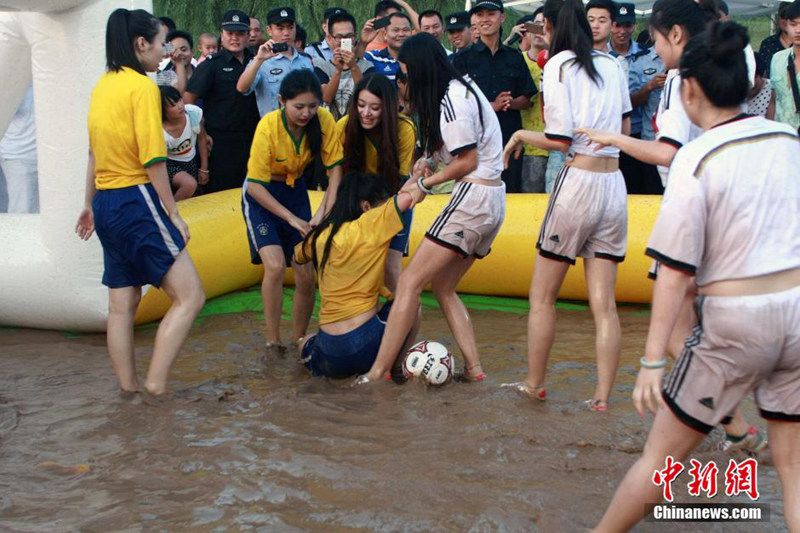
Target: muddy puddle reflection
258 445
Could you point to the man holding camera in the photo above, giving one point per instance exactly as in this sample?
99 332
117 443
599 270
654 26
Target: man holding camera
339 75
275 59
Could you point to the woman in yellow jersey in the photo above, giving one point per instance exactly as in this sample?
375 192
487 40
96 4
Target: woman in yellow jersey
126 185
274 198
349 249
382 142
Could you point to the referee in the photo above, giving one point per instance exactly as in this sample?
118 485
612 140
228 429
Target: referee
502 75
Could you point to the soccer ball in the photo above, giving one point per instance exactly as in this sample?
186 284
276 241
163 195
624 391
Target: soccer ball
430 360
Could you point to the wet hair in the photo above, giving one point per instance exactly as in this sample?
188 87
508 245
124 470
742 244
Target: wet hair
385 5
387 138
169 97
180 34
431 13
571 31
341 17
356 187
715 58
122 30
429 74
692 16
300 34
792 11
722 7
608 5
539 9
299 82
168 22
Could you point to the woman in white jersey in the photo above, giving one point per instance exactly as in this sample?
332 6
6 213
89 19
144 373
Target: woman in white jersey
457 126
588 211
729 217
672 24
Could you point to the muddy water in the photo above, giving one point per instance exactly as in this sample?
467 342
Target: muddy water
258 445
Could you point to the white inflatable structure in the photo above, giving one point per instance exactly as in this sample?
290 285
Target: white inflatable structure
49 278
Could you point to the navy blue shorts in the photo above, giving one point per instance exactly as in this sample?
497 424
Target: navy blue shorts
399 242
140 242
341 356
266 229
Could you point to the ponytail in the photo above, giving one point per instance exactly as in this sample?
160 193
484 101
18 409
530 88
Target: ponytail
122 29
571 31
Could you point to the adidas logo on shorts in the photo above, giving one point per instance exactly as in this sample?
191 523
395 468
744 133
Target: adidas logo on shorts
459 234
707 402
555 239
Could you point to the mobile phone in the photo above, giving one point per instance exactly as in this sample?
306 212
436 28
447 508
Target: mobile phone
533 28
280 47
169 48
381 22
347 45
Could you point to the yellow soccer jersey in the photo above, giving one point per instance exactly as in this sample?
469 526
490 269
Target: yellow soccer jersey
406 140
353 275
532 118
125 133
275 151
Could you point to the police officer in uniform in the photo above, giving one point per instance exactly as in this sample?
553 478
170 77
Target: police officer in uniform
502 75
458 31
646 77
230 117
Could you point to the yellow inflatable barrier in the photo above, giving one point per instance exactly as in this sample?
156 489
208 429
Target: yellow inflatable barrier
220 251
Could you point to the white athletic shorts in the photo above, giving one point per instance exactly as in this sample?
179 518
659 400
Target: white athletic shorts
587 216
471 220
739 344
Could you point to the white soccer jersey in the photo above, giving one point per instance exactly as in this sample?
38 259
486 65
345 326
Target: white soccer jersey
672 124
461 129
731 206
573 100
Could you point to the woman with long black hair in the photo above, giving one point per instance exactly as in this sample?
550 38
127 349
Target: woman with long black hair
126 186
672 24
275 200
588 211
458 127
348 250
729 221
382 142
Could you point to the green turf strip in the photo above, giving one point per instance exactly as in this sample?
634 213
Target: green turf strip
250 300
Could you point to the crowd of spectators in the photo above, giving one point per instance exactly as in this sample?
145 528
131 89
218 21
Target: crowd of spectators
234 78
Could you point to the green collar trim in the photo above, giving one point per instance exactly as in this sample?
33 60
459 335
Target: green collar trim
297 142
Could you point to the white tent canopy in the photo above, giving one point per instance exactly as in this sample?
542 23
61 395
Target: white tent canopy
736 7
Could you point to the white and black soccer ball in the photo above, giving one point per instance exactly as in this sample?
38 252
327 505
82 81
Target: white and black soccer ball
430 360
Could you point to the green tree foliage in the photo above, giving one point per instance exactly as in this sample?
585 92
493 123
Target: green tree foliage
197 17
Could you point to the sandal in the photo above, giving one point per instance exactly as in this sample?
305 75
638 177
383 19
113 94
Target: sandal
521 387
598 406
465 378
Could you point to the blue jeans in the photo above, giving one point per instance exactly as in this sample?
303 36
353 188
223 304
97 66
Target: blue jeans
555 161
